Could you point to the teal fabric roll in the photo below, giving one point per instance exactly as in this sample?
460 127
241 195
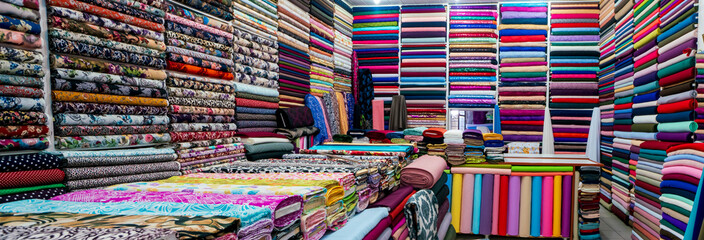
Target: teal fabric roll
536 202
686 126
476 217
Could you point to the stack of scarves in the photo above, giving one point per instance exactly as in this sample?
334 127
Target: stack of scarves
423 64
294 64
21 72
588 203
494 147
93 169
343 46
107 83
322 41
606 95
256 108
523 70
473 61
375 41
473 141
681 174
574 63
29 176
262 145
646 210
455 147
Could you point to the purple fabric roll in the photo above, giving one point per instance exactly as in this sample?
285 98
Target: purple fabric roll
645 48
534 79
425 34
674 221
522 118
522 14
470 88
514 204
645 79
676 51
570 130
523 138
524 9
521 127
489 7
575 38
487 204
675 136
570 139
473 101
511 112
566 203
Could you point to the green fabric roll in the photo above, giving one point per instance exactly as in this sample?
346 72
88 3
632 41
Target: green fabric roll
625 100
644 127
375 12
654 151
621 160
685 126
475 165
257 97
653 157
451 233
677 67
29 189
623 121
646 65
669 225
646 6
678 198
267 147
647 87
677 35
542 169
675 208
523 74
342 138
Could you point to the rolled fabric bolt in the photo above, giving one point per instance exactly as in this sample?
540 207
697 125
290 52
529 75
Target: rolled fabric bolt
526 188
467 201
536 205
487 202
456 199
546 216
557 206
495 205
503 205
476 213
514 203
566 205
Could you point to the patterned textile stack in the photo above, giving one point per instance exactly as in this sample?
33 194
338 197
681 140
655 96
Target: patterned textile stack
623 90
93 169
473 61
117 97
606 95
588 200
681 175
494 147
201 95
322 45
434 141
297 124
376 42
474 146
343 46
455 147
21 83
294 62
30 176
523 70
574 63
423 64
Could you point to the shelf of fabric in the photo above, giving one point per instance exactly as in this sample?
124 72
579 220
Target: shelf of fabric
523 70
322 45
343 46
31 176
424 64
647 189
24 122
574 64
294 62
473 56
622 168
680 178
376 48
107 85
606 97
588 202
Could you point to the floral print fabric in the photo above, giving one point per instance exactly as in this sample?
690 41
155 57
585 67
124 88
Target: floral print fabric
110 141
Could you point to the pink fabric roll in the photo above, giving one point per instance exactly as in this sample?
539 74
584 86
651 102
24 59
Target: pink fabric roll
467 203
575 15
546 216
697 173
495 208
424 172
471 170
574 75
388 15
378 114
376 42
514 202
423 29
524 9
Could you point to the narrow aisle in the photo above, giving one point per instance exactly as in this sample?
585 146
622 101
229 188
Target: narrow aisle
611 227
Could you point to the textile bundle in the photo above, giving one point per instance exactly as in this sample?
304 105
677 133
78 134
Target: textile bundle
343 46
574 63
681 174
28 176
322 45
23 119
494 147
294 40
524 201
423 64
105 101
256 108
261 145
588 201
606 96
376 41
523 70
473 56
455 151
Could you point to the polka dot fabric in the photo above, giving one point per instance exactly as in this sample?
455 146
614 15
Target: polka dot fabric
27 162
38 194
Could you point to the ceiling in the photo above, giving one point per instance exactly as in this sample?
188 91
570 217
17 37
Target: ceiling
409 2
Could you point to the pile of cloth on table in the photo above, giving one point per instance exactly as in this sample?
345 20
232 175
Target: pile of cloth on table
261 145
91 169
256 108
28 176
681 173
427 210
455 147
433 141
494 147
474 146
297 125
385 136
414 135
588 200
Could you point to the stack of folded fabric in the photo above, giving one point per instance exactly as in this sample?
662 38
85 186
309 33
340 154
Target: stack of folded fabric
414 134
574 63
259 18
322 41
606 95
376 42
343 46
21 84
620 184
28 176
427 174
256 46
434 141
473 61
378 136
523 70
117 98
296 124
423 64
676 70
646 210
494 147
700 97
261 145
396 137
474 146
320 119
256 108
92 169
588 200
681 174
294 63
455 151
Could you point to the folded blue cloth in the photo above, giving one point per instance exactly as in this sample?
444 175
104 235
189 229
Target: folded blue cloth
522 54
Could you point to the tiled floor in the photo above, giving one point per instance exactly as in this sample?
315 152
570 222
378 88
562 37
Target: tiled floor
612 228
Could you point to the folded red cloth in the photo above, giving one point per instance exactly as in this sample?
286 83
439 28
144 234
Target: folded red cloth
529 38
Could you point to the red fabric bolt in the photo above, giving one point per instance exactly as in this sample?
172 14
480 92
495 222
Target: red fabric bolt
575 100
243 102
623 106
503 205
678 77
423 64
681 106
658 145
30 178
529 38
533 123
574 25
